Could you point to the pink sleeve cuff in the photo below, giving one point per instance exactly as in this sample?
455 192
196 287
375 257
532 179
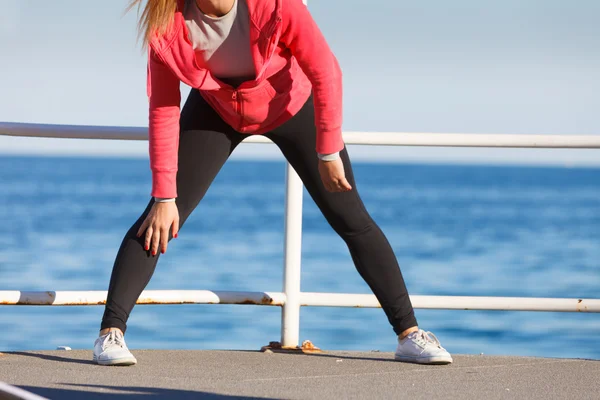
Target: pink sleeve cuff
164 184
329 142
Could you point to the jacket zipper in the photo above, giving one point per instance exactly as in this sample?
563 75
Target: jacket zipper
268 55
237 107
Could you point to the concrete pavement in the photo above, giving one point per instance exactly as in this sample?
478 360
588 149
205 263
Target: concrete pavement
192 374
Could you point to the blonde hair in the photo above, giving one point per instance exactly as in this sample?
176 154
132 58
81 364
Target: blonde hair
156 17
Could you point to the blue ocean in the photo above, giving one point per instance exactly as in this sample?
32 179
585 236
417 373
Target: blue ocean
456 230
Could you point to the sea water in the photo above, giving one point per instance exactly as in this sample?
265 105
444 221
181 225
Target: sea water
456 230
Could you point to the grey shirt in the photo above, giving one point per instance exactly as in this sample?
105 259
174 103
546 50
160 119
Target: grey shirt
222 44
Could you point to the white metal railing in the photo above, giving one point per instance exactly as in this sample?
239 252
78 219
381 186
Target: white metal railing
291 299
361 138
87 298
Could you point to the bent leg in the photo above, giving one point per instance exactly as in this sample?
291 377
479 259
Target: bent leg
205 143
370 250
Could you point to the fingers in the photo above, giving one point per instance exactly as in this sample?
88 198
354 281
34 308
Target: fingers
164 239
175 228
164 235
344 185
157 226
338 185
155 241
333 177
148 238
142 228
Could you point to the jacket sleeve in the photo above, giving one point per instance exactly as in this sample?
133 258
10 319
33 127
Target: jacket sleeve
302 36
163 126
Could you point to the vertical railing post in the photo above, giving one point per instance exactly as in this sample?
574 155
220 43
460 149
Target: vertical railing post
290 317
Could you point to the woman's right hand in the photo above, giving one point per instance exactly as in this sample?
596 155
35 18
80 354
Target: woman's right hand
162 218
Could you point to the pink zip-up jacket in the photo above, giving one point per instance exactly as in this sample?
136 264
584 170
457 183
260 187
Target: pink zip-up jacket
291 58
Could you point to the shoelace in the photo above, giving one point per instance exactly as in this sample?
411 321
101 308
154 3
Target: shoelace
113 338
433 339
423 338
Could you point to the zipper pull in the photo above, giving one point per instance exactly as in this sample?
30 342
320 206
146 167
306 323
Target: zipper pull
234 95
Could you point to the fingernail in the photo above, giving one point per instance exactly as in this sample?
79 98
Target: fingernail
176 235
146 248
153 253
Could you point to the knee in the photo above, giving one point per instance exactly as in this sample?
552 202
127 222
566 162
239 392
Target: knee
350 226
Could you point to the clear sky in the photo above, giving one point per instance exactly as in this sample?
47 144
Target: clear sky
472 66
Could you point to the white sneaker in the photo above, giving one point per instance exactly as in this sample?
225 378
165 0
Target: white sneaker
110 349
423 348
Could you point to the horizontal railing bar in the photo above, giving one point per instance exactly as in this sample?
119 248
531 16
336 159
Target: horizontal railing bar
67 298
473 140
82 298
361 138
457 302
73 131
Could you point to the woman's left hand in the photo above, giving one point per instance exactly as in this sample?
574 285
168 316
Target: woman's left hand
333 176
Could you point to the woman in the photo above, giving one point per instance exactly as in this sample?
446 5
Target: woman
256 67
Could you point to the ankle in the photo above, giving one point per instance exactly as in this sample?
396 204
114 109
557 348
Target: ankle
107 330
407 332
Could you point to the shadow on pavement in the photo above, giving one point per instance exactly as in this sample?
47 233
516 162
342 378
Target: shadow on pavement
129 392
53 358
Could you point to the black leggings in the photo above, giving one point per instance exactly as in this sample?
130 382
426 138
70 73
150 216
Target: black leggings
205 143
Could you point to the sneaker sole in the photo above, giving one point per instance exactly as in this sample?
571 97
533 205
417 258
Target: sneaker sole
424 360
118 362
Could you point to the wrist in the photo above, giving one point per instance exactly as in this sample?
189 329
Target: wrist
329 157
164 199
